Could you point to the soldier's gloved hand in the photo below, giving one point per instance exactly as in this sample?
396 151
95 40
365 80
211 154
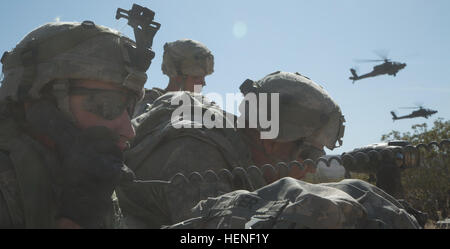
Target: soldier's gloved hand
92 164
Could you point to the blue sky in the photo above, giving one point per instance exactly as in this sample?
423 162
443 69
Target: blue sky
319 39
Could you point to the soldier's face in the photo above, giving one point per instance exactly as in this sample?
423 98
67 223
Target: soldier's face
120 123
283 151
286 152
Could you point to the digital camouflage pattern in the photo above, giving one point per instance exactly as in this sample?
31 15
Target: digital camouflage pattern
149 97
184 180
293 204
27 195
29 186
160 151
181 58
87 51
187 57
306 110
31 189
156 133
229 200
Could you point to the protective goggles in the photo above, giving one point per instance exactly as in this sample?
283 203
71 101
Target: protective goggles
106 103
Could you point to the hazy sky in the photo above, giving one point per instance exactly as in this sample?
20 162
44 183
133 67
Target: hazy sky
319 39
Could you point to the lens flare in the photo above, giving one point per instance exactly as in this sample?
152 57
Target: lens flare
239 29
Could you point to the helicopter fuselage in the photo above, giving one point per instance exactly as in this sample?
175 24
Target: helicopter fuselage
419 113
388 67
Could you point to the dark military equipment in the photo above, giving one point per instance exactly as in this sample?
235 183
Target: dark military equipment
387 67
386 160
374 158
172 201
141 20
422 112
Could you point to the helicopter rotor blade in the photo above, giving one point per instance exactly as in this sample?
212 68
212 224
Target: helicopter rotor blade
409 107
382 53
418 103
363 60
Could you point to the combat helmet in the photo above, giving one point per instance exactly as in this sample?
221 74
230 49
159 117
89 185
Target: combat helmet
55 53
306 111
187 57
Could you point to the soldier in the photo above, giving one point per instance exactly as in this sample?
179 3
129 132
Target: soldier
309 120
160 150
67 95
186 62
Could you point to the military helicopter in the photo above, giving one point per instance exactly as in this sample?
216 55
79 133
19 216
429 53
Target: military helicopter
387 67
422 112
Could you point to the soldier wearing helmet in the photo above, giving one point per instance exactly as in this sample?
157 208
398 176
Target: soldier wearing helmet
309 120
226 190
67 97
186 62
160 150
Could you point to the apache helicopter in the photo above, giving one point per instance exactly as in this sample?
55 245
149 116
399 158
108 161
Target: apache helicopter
422 112
388 67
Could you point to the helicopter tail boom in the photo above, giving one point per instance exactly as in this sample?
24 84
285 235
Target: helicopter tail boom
394 117
353 71
354 75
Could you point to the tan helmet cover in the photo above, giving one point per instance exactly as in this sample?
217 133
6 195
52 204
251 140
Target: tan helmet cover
187 57
69 50
306 110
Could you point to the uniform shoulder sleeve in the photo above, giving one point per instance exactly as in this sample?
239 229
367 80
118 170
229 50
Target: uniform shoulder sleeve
11 208
150 96
153 205
184 155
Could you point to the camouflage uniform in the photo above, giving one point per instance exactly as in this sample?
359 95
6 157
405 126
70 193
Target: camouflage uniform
149 97
284 204
30 173
289 203
247 201
27 197
159 151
